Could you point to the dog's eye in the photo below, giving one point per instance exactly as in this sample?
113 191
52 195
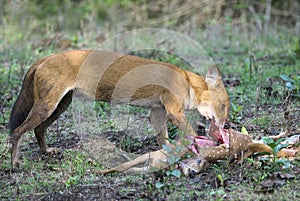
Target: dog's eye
199 161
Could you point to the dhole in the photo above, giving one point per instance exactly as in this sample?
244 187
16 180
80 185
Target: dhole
113 77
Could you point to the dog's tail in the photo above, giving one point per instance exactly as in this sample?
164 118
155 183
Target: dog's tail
25 100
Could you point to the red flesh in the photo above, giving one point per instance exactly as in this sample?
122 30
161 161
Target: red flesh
218 135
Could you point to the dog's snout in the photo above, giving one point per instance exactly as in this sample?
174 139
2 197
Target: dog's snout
227 125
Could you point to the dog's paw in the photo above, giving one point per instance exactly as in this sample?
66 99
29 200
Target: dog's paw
15 165
53 150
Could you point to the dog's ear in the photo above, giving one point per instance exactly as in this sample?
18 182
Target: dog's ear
213 75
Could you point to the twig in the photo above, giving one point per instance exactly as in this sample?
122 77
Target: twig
267 14
125 156
256 18
280 135
258 94
252 64
284 134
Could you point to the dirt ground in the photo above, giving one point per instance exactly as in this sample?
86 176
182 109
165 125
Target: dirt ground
120 186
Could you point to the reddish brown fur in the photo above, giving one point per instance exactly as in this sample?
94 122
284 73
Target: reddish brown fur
48 85
24 102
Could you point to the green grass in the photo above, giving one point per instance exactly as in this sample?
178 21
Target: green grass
256 61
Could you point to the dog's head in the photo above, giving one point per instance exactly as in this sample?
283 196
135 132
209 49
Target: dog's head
214 102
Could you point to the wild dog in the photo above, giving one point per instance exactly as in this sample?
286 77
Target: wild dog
117 78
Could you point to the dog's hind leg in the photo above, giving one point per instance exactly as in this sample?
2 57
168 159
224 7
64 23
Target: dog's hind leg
41 110
41 130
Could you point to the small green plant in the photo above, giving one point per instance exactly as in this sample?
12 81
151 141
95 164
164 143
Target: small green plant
217 194
72 180
159 185
173 156
172 130
244 130
296 41
276 146
77 166
172 159
103 108
263 121
260 176
292 83
127 143
221 179
235 114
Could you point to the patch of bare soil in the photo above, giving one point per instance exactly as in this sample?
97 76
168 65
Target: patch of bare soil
137 145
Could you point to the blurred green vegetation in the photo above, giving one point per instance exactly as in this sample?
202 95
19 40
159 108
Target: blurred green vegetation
257 52
35 19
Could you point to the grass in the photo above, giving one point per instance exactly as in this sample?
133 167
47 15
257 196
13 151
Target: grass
251 64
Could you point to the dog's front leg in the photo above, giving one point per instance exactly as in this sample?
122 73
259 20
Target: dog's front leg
174 107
